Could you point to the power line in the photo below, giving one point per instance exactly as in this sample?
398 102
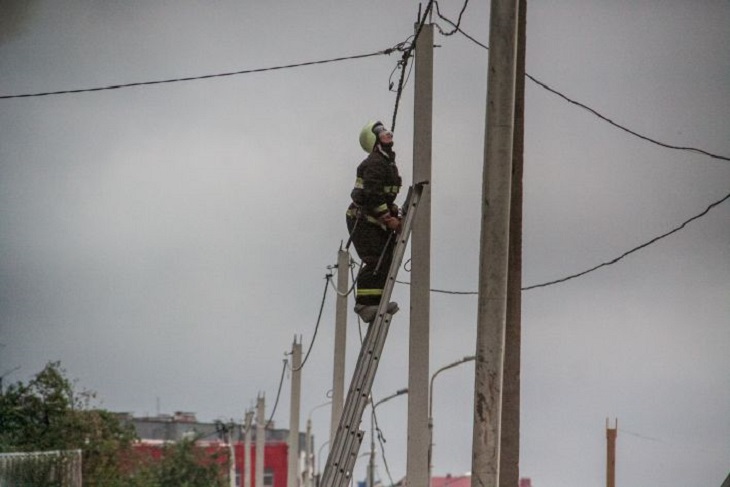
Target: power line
604 264
278 393
316 328
458 21
206 76
381 441
659 440
404 63
635 249
589 109
625 129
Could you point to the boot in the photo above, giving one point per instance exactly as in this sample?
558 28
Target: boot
367 313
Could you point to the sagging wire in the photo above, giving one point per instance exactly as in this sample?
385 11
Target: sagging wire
621 127
593 111
352 288
381 441
328 278
458 21
206 76
404 63
278 394
625 254
604 264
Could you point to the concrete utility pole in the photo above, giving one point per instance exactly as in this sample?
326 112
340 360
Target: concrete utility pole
296 394
493 258
230 428
308 455
509 463
338 376
418 350
260 439
611 435
247 450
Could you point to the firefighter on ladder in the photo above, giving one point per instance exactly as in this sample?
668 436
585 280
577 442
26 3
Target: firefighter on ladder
373 218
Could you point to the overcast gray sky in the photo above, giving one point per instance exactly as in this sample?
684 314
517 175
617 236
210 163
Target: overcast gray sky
167 242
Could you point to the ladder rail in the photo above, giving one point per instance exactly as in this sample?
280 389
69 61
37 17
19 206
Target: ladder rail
346 444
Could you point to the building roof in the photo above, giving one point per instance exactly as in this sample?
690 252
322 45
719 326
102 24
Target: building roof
451 481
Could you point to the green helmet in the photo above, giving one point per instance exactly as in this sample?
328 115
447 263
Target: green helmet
369 135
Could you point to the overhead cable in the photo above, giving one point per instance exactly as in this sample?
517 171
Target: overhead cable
404 63
604 264
328 277
278 393
334 286
659 440
207 76
591 110
458 21
381 440
629 252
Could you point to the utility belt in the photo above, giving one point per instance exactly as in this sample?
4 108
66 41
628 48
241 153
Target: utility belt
357 213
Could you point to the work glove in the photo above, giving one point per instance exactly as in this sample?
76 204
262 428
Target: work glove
391 222
394 210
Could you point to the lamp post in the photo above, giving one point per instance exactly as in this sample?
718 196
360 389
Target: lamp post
352 476
371 465
308 461
319 455
430 408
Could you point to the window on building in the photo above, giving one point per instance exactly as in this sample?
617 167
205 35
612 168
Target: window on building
268 477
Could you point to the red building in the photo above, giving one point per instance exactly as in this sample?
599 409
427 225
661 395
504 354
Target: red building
155 432
275 458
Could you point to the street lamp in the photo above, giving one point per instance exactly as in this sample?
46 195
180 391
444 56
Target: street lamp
371 465
308 446
430 408
352 474
319 455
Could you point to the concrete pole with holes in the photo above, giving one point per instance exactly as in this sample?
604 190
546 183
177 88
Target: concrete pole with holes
260 439
338 370
308 455
296 394
247 450
494 243
418 350
231 455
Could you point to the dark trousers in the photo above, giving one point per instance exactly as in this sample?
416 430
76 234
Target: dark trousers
370 240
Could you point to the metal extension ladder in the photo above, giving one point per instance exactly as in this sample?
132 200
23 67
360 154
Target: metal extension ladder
346 443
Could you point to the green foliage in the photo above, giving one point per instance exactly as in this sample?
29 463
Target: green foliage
46 414
33 416
183 465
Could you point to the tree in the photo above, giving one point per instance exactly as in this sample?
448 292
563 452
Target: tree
183 464
47 414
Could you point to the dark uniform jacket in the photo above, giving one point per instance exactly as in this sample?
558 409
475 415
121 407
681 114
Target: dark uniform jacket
376 186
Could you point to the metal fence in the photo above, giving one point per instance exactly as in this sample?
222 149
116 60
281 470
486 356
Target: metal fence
41 469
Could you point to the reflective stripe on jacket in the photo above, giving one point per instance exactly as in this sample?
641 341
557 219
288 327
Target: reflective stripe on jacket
354 212
376 186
